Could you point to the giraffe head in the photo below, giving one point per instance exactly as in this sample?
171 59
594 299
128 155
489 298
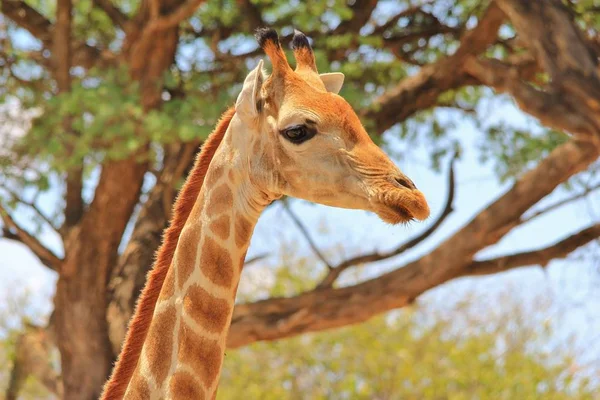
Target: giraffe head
303 140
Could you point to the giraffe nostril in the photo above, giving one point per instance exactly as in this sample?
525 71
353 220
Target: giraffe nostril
405 182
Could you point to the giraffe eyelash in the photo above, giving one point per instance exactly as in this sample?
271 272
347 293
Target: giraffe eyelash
298 134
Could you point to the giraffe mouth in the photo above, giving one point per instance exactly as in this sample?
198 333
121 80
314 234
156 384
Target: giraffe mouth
403 213
395 214
402 206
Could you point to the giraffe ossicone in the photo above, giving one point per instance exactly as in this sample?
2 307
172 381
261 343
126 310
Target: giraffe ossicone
289 133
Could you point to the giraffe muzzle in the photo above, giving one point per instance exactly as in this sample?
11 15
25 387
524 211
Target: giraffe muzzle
401 202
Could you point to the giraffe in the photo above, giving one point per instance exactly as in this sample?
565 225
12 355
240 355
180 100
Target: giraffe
289 133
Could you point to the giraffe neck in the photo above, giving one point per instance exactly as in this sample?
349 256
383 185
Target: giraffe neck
184 349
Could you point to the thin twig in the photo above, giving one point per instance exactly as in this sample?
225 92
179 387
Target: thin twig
409 12
114 13
560 203
306 234
183 12
254 259
31 205
45 255
541 256
335 272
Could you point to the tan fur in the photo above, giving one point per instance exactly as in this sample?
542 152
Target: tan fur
208 312
221 200
138 328
168 288
305 59
243 230
158 346
339 166
187 250
203 355
220 227
216 263
184 386
140 388
277 57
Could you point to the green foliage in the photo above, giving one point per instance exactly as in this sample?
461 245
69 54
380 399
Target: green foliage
16 313
102 117
423 353
105 119
514 151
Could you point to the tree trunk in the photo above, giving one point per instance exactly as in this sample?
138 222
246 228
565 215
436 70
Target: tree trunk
129 276
91 247
80 301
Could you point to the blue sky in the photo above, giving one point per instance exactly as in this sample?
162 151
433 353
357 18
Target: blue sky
571 283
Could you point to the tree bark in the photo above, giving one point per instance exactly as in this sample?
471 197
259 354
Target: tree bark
569 59
421 91
80 300
33 358
129 276
91 246
278 318
88 342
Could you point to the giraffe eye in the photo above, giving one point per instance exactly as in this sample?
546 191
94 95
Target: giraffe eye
298 134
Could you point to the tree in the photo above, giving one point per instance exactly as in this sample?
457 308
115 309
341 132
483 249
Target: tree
125 92
401 356
425 351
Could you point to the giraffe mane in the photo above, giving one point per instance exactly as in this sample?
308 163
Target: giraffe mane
140 323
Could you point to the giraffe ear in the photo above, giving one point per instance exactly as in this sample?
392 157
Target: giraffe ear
249 103
333 81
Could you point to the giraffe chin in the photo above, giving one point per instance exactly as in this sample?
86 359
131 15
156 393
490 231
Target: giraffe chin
402 206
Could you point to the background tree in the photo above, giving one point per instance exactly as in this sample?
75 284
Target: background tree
420 352
122 94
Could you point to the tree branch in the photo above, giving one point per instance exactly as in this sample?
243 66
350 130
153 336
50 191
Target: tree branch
422 90
61 69
550 108
171 20
61 45
317 310
129 274
46 256
28 18
256 258
571 61
335 272
41 28
253 15
361 12
392 21
31 205
306 234
32 358
559 204
114 13
541 257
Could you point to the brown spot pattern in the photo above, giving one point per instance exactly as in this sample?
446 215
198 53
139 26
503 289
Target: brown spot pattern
183 386
187 249
201 354
256 147
168 287
221 199
159 343
220 227
213 175
243 230
209 312
138 388
216 263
